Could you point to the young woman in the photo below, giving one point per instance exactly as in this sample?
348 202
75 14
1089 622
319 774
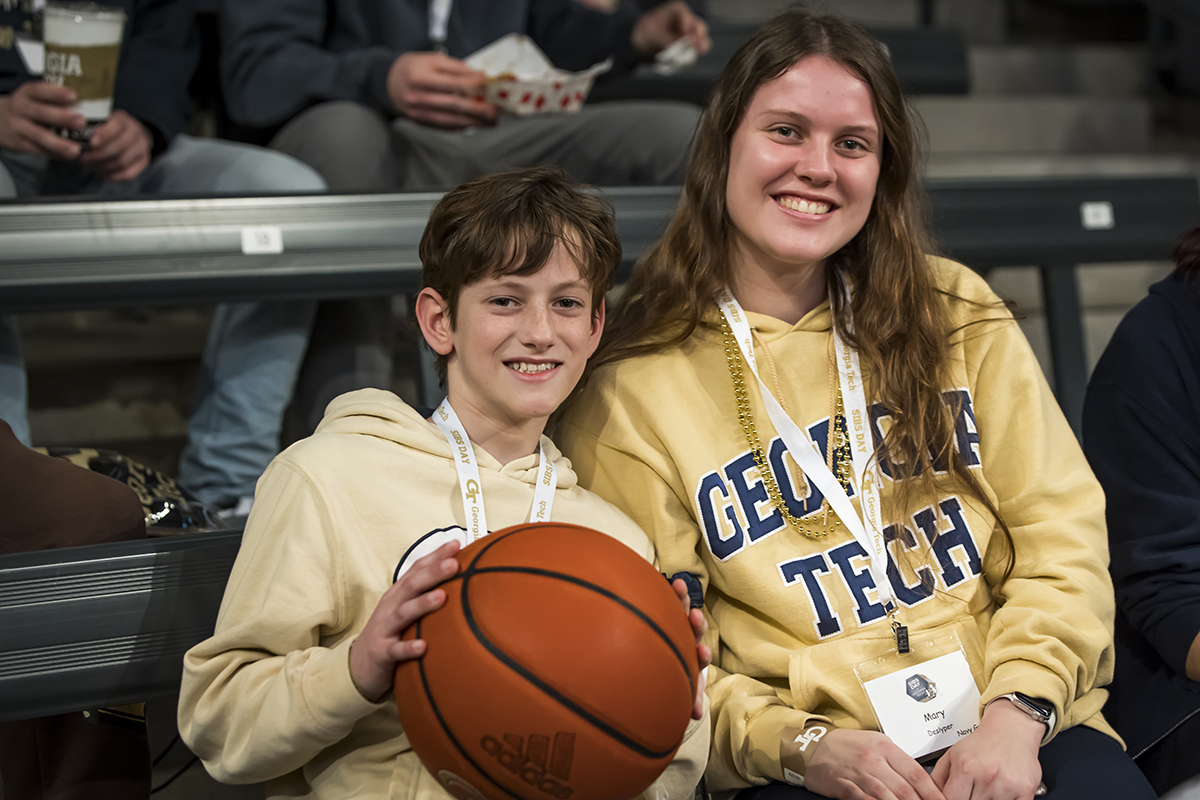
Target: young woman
927 579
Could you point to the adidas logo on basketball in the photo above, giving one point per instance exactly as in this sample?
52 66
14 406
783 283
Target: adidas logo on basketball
544 767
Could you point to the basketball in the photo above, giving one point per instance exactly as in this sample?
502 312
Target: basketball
560 666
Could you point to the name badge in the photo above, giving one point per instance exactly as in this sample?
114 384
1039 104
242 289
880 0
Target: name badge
923 705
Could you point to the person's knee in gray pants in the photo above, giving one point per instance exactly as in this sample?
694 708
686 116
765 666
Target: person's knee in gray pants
349 144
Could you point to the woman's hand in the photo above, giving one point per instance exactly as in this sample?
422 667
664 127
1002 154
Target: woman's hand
856 765
703 653
377 650
998 761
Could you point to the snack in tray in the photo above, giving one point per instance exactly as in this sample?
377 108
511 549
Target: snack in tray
522 81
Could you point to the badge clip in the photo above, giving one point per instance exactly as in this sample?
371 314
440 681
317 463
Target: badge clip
901 634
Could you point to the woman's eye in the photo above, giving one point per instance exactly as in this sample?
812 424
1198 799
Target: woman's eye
784 130
854 144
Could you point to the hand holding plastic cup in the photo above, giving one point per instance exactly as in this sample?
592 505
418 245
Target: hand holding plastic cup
83 47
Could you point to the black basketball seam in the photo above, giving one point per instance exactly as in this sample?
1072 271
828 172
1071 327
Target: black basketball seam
433 706
471 569
605 592
538 682
414 545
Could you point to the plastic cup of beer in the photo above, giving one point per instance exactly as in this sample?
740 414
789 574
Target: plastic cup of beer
83 46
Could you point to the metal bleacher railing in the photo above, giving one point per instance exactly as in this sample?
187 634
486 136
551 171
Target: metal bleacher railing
108 624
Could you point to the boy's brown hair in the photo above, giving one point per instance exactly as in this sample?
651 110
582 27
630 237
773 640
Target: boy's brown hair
508 224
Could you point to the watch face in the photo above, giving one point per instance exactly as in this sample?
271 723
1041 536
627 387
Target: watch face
1039 707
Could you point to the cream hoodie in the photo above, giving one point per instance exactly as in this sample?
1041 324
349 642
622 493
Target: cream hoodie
269 696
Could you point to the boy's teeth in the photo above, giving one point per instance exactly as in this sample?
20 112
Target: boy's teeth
521 366
804 206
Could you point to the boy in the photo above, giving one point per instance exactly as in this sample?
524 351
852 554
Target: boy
353 529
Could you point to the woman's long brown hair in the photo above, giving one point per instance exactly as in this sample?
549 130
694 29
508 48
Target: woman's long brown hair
901 324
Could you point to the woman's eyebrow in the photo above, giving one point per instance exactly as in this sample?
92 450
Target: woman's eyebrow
865 129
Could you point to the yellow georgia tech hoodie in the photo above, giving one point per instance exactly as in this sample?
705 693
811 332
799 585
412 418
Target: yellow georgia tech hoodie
659 436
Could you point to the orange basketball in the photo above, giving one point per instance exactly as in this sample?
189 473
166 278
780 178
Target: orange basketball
560 666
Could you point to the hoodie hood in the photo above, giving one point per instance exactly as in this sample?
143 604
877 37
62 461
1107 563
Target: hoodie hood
378 413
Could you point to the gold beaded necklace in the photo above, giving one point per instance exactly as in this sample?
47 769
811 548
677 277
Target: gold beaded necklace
837 452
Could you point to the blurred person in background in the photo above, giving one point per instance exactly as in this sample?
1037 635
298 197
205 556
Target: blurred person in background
138 151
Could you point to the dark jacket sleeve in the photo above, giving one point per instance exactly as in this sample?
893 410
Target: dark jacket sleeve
161 50
12 69
275 62
574 36
1142 437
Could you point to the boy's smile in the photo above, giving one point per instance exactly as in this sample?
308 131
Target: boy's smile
518 346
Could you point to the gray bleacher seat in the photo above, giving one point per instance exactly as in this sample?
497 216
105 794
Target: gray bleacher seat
927 61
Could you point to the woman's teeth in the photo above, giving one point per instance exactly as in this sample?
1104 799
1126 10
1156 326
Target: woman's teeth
803 206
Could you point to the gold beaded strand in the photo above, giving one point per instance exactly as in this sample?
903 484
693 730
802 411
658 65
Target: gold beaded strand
836 441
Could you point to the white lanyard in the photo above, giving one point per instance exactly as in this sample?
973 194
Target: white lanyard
808 456
468 475
439 18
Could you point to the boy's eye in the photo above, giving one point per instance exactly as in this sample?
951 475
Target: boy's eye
570 302
503 302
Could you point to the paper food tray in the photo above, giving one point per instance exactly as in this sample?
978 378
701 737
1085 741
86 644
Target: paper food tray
522 81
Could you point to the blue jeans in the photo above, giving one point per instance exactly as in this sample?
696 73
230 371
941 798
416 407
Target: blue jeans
254 349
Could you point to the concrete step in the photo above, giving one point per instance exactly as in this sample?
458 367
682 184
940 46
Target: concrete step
1103 70
979 21
116 335
1107 292
1036 124
1036 165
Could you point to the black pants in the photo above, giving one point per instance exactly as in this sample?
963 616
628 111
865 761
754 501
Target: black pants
1078 764
1175 759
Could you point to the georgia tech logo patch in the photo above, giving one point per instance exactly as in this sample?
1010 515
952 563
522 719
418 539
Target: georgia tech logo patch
472 492
811 735
542 765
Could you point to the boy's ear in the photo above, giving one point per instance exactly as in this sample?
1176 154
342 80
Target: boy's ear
433 315
597 329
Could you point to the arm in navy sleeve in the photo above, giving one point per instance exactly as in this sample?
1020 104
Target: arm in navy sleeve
574 37
161 50
1142 437
275 60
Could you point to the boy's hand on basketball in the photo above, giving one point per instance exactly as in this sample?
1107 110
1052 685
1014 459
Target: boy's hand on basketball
853 765
377 650
703 653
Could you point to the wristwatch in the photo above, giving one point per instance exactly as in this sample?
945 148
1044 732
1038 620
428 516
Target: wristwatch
1035 707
